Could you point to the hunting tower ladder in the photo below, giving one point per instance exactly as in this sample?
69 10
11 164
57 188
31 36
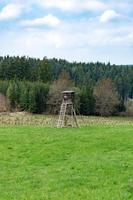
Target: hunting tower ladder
67 115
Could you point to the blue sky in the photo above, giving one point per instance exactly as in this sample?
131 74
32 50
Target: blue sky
76 30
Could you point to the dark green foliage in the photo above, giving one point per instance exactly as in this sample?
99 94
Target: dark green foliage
28 96
38 97
13 94
41 96
12 67
44 71
81 73
3 87
25 93
87 102
32 100
24 96
25 68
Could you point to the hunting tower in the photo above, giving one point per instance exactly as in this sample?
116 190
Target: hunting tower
67 115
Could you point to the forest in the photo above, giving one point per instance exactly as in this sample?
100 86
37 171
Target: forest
35 85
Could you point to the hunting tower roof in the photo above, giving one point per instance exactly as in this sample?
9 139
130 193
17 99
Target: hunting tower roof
68 92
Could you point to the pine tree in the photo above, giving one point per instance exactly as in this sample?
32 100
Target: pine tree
86 101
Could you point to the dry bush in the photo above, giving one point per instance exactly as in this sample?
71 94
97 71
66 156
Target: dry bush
106 97
4 103
129 107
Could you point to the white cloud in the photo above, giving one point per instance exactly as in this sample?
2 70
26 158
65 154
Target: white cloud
74 39
96 43
94 5
49 20
63 5
73 5
94 36
10 11
108 15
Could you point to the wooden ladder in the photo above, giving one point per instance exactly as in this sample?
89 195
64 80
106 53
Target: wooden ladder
62 114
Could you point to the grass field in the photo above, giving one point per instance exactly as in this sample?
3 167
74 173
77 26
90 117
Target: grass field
90 163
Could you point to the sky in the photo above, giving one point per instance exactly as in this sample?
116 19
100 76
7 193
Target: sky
75 30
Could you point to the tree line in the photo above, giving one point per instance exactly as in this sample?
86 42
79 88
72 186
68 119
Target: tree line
35 85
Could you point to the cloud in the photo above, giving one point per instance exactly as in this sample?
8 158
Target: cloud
94 36
63 5
94 5
48 20
73 5
79 36
108 15
95 43
10 11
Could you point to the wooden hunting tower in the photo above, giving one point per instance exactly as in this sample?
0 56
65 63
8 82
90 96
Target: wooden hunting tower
67 115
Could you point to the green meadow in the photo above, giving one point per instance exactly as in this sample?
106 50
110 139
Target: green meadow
89 163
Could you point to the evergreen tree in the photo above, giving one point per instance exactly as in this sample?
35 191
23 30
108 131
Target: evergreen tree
24 96
44 71
87 101
11 94
32 99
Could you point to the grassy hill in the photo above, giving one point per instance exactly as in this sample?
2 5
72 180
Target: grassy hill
39 163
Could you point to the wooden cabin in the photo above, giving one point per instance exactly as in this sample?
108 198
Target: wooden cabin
68 96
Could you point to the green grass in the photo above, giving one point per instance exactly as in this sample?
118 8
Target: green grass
90 163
